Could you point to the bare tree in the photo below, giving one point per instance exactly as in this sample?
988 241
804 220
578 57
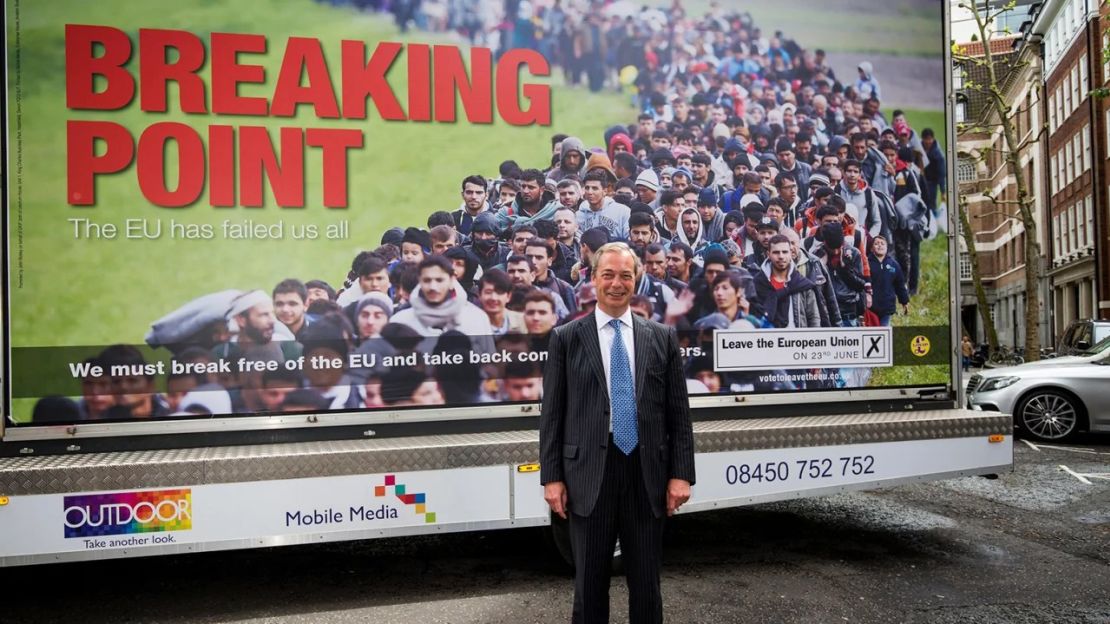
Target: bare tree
977 276
994 85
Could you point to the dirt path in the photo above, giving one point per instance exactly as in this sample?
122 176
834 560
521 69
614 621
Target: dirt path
906 82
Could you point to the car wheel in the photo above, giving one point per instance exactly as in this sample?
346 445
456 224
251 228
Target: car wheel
1050 415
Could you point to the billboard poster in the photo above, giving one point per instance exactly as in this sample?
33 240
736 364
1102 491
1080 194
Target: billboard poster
262 207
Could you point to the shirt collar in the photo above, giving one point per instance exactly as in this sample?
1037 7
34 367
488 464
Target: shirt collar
603 319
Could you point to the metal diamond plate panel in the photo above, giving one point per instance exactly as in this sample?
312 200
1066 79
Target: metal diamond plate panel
232 464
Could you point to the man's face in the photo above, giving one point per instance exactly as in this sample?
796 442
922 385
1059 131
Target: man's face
371 320
439 247
656 264
647 126
681 108
539 317
878 245
625 193
775 212
493 302
707 212
459 268
927 142
767 178
712 270
427 393
411 253
97 393
851 175
520 274
686 161
540 260
483 235
594 192
691 223
375 282
289 308
859 149
474 196
615 280
789 190
508 194
724 295
520 241
891 155
660 142
731 227
780 256
316 294
572 161
786 158
646 195
829 161
272 396
568 226
719 114
700 170
830 219
523 388
569 196
640 235
677 264
764 235
258 322
674 210
680 183
530 191
435 284
754 187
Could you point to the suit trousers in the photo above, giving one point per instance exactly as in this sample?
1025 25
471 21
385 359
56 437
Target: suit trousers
622 510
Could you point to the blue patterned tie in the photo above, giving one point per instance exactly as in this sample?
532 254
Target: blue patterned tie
623 394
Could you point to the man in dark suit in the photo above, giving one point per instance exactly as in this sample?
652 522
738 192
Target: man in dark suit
616 444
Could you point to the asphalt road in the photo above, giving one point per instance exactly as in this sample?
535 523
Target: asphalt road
1030 546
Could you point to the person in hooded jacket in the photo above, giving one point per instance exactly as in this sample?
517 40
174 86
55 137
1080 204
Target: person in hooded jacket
484 244
439 304
572 159
619 142
712 218
691 229
845 267
813 270
532 204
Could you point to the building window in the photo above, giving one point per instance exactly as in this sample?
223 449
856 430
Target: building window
1069 163
1084 85
961 112
1074 230
1052 112
1089 206
957 77
1075 96
1077 149
1086 146
1056 237
1054 174
1059 107
1105 59
965 266
965 170
1066 88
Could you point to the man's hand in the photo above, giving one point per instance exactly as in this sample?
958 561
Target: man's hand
905 309
555 493
678 492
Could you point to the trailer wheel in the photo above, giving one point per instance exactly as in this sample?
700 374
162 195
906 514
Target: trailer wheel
560 537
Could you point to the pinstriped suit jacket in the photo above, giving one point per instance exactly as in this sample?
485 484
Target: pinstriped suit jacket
574 423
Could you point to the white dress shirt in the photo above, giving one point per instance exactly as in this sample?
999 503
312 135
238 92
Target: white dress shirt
605 335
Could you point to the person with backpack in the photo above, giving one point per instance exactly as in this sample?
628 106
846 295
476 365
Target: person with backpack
888 283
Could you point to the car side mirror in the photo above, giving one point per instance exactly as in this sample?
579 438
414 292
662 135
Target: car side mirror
1082 345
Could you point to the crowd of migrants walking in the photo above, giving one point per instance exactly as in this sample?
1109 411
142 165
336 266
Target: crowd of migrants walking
759 188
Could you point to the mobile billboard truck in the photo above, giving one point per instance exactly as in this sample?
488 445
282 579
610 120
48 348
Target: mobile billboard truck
283 272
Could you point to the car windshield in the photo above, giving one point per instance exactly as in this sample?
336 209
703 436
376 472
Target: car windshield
1098 347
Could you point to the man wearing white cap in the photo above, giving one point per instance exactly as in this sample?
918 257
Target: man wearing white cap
647 188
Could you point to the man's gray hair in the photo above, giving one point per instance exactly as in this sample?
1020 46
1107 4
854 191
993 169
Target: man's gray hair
617 247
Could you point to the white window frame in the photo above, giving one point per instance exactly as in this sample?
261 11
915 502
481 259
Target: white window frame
1077 150
1089 206
1065 223
1074 228
965 265
1052 112
1075 96
961 112
1056 236
1085 135
1055 175
1084 80
957 77
1066 88
1069 163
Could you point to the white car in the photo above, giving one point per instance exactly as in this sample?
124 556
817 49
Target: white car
1052 399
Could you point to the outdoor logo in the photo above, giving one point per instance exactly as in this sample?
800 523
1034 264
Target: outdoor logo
416 500
121 513
920 346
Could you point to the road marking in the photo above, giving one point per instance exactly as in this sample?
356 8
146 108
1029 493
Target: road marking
1031 445
1082 479
1070 449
